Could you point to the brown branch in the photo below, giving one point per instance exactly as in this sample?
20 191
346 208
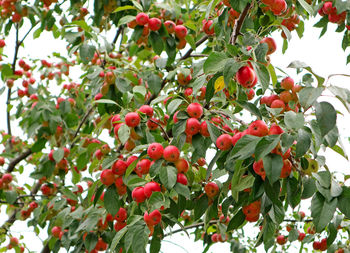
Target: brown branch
163 130
80 125
119 31
198 55
188 53
19 158
238 25
46 248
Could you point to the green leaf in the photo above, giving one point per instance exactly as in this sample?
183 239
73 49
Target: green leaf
6 71
342 94
244 147
260 52
173 105
299 64
90 241
124 133
38 145
123 8
273 164
250 107
118 236
168 176
215 62
263 75
307 7
322 211
243 183
309 188
156 42
273 75
126 19
236 221
154 82
230 69
326 117
111 201
200 206
69 194
214 132
265 145
182 190
303 142
86 52
105 101
336 189
308 95
344 200
58 155
212 163
294 120
11 197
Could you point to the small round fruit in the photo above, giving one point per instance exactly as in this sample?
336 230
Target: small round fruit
171 153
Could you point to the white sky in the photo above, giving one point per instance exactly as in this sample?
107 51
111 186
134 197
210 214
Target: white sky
324 55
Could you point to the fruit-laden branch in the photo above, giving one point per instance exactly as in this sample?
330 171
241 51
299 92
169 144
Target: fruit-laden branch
19 158
80 125
188 53
200 224
12 218
166 136
238 25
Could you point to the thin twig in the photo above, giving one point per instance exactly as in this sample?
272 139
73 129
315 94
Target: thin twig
188 53
80 125
189 227
198 55
161 127
238 25
119 31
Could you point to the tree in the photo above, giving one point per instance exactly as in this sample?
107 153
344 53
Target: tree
151 105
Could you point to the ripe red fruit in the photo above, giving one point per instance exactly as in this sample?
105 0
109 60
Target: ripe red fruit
275 129
121 215
224 142
132 119
201 161
142 18
246 77
195 110
107 177
181 165
181 178
119 167
143 166
155 151
301 236
2 43
281 239
316 245
138 194
146 109
236 137
286 96
214 238
192 126
119 226
154 24
270 43
151 187
323 244
211 189
286 169
328 8
180 31
153 218
250 94
287 83
204 129
171 153
278 103
55 231
6 178
170 26
258 128
208 27
278 7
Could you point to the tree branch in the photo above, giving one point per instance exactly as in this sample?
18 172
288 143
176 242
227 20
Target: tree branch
166 136
189 227
80 125
19 158
119 31
238 25
199 42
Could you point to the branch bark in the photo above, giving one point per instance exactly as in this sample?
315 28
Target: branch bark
189 227
188 53
19 158
238 25
80 125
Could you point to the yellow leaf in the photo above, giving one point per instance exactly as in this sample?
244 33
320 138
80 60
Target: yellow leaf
219 84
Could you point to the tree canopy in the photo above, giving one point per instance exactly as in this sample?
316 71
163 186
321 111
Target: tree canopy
169 116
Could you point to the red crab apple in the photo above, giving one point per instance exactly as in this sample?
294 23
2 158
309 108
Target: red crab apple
211 189
7 178
275 129
142 18
155 151
132 119
278 103
152 218
258 128
2 160
204 129
195 110
208 27
154 24
287 83
138 194
121 215
181 178
170 26
55 231
181 165
281 239
146 109
107 177
224 142
119 167
192 126
270 43
151 187
171 153
180 31
246 77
